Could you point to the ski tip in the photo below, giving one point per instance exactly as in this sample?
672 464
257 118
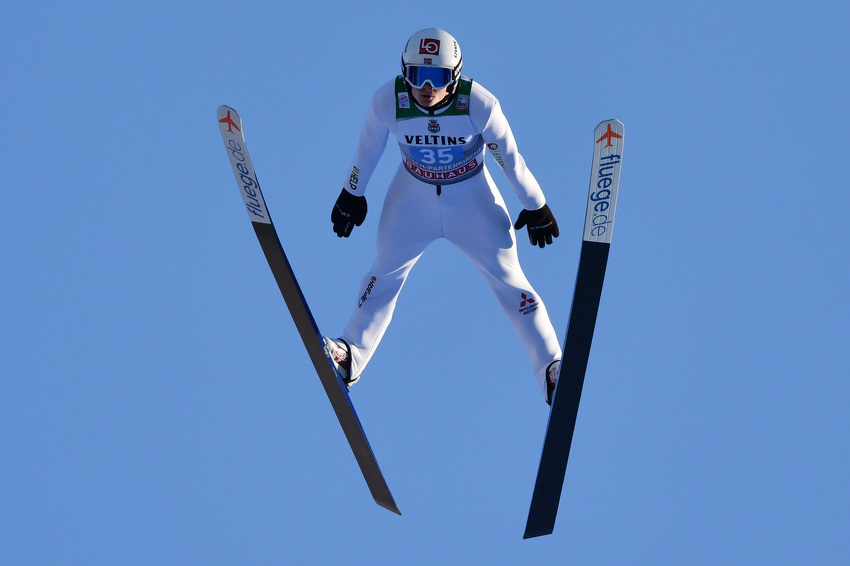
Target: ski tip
228 118
612 121
604 181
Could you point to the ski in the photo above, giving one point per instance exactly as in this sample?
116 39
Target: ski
599 222
230 125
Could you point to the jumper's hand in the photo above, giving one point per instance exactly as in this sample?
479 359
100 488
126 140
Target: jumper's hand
542 226
348 212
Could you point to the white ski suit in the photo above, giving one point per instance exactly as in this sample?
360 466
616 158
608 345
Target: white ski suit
442 189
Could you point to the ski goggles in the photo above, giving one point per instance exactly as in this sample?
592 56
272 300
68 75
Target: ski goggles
418 75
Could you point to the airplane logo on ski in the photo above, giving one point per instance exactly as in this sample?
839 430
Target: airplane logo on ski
231 124
609 135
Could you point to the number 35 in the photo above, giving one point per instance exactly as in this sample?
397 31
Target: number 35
442 155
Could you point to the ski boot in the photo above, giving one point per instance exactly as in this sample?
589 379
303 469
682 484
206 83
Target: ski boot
339 353
552 373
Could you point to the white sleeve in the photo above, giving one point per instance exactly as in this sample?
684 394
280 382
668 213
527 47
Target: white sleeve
486 115
373 139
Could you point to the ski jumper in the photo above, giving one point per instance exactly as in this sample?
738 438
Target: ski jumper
442 189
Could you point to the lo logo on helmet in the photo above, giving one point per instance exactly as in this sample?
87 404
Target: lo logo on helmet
429 46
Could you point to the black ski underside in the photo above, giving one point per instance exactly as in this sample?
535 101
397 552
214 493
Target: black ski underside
334 388
562 417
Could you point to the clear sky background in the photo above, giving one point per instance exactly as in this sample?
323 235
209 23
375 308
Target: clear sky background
157 406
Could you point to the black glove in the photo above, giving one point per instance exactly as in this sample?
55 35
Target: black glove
348 212
542 226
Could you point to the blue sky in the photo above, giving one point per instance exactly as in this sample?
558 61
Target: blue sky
157 407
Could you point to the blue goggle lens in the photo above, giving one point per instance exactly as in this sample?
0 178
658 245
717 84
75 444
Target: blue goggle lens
417 76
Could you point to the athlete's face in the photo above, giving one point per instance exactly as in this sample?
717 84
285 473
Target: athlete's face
427 96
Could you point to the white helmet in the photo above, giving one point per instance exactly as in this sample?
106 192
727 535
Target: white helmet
431 56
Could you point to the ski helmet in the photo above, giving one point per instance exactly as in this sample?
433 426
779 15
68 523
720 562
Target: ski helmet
431 56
